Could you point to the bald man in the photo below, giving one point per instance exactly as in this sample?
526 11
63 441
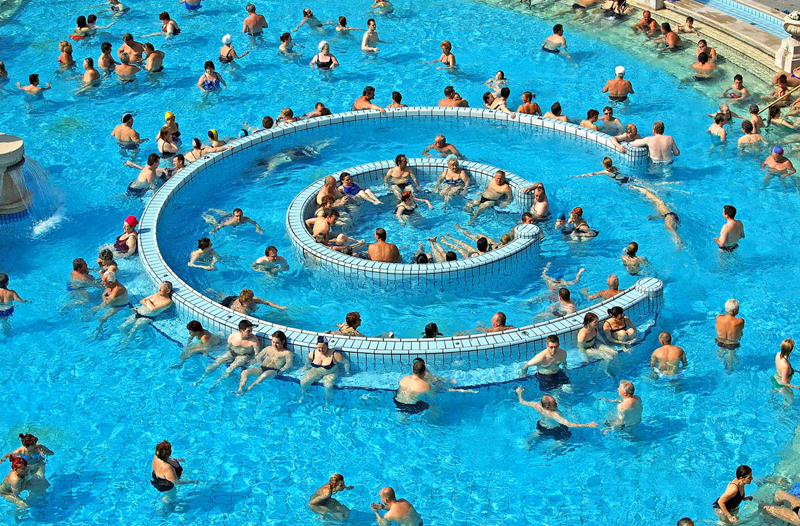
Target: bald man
398 511
551 423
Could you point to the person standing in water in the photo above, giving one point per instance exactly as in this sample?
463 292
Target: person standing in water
398 511
726 507
322 500
7 299
667 359
629 407
413 390
551 422
732 231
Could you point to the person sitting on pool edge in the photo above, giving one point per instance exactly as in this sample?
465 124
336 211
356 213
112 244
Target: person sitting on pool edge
272 359
413 390
618 328
497 193
348 187
548 362
206 340
323 364
242 347
551 423
149 308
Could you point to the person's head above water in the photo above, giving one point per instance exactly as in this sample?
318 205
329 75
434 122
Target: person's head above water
419 368
619 71
633 248
555 109
558 29
549 403
432 331
732 307
226 40
702 58
729 211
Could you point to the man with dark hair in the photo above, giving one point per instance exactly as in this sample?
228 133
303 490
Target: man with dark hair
146 179
413 388
242 347
732 231
548 362
370 39
449 100
662 147
686 521
237 218
501 102
556 42
381 250
364 102
670 38
321 226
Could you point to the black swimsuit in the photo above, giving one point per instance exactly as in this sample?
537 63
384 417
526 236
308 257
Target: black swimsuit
327 367
164 485
732 503
674 215
324 65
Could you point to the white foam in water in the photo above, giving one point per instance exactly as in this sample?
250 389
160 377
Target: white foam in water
42 227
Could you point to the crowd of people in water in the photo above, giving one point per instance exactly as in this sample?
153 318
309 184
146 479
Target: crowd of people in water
242 350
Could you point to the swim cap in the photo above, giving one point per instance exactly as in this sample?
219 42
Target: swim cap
132 221
557 275
778 150
561 216
322 44
169 115
226 40
212 133
243 133
452 157
126 117
619 70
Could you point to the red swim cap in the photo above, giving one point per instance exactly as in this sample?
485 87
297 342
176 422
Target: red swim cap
132 221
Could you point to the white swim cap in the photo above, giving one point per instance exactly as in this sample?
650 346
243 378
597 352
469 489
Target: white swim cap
322 45
226 40
619 70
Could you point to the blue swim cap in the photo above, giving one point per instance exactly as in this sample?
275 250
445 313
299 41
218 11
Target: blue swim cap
795 489
452 157
557 275
561 216
778 150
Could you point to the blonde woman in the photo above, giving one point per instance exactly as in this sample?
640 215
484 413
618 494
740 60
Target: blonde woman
447 58
65 59
453 180
322 500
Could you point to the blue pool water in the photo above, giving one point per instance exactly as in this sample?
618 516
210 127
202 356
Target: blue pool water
102 406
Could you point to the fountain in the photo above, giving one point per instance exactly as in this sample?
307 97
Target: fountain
15 198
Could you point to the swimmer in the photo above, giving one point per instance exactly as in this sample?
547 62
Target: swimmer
342 26
242 347
125 135
33 87
319 111
323 363
65 59
310 21
528 107
610 170
234 219
14 483
115 297
613 289
364 102
166 473
688 26
633 263
323 503
130 47
501 103
227 54
629 407
726 507
210 80
776 164
206 341
496 83
618 328
254 24
790 514
732 231
548 362
662 148
631 134
447 58
564 306
271 264
146 180
671 219
497 193
702 47
729 328
125 70
413 391
272 359
198 150
665 360
287 46
7 299
498 324
117 8
736 91
669 38
551 422
618 88
450 100
80 280
324 60
646 24
371 38
33 453
591 118
475 237
704 69
400 178
383 251
91 77
442 147
169 28
751 138
382 7
349 188
580 228
540 209
320 227
555 113
588 342
397 101
398 511
555 281
556 43
454 180
204 257
247 302
610 124
106 61
408 205
148 310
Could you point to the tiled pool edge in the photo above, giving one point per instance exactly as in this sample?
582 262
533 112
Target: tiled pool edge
645 297
439 276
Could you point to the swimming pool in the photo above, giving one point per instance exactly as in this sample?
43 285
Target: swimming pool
102 408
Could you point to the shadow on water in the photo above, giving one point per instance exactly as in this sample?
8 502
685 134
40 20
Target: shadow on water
210 498
66 494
